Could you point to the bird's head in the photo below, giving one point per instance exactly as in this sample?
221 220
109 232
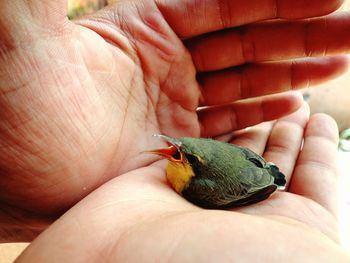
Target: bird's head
185 157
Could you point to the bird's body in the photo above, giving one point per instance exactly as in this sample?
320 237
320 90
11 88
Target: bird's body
214 174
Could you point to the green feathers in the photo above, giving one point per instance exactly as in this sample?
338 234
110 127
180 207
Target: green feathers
225 175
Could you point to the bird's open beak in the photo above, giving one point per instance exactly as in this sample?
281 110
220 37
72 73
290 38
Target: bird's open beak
168 152
172 152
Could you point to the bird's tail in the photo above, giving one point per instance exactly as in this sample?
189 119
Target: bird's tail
280 179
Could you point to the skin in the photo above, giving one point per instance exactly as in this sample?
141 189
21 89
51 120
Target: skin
80 100
137 217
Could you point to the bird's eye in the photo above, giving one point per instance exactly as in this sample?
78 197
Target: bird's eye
191 158
177 155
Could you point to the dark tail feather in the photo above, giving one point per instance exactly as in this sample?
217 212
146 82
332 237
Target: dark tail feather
280 179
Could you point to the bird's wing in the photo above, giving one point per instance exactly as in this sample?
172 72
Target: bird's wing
272 169
253 157
208 194
254 178
255 197
250 185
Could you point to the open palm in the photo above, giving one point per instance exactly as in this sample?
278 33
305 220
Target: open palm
79 101
137 217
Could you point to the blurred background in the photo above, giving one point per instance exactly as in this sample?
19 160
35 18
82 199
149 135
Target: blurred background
332 98
78 8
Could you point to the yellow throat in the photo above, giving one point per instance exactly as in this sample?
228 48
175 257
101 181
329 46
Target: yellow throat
179 175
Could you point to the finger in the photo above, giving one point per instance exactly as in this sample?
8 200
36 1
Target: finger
255 80
271 41
254 138
315 174
246 113
285 140
190 17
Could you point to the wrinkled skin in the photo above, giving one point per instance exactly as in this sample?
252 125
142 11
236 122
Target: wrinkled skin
80 100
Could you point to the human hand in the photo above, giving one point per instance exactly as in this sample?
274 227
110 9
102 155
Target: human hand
138 218
79 101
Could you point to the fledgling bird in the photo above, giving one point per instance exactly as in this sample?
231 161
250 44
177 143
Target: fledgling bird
214 174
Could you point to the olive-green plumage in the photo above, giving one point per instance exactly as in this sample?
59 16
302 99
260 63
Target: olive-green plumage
225 175
228 175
